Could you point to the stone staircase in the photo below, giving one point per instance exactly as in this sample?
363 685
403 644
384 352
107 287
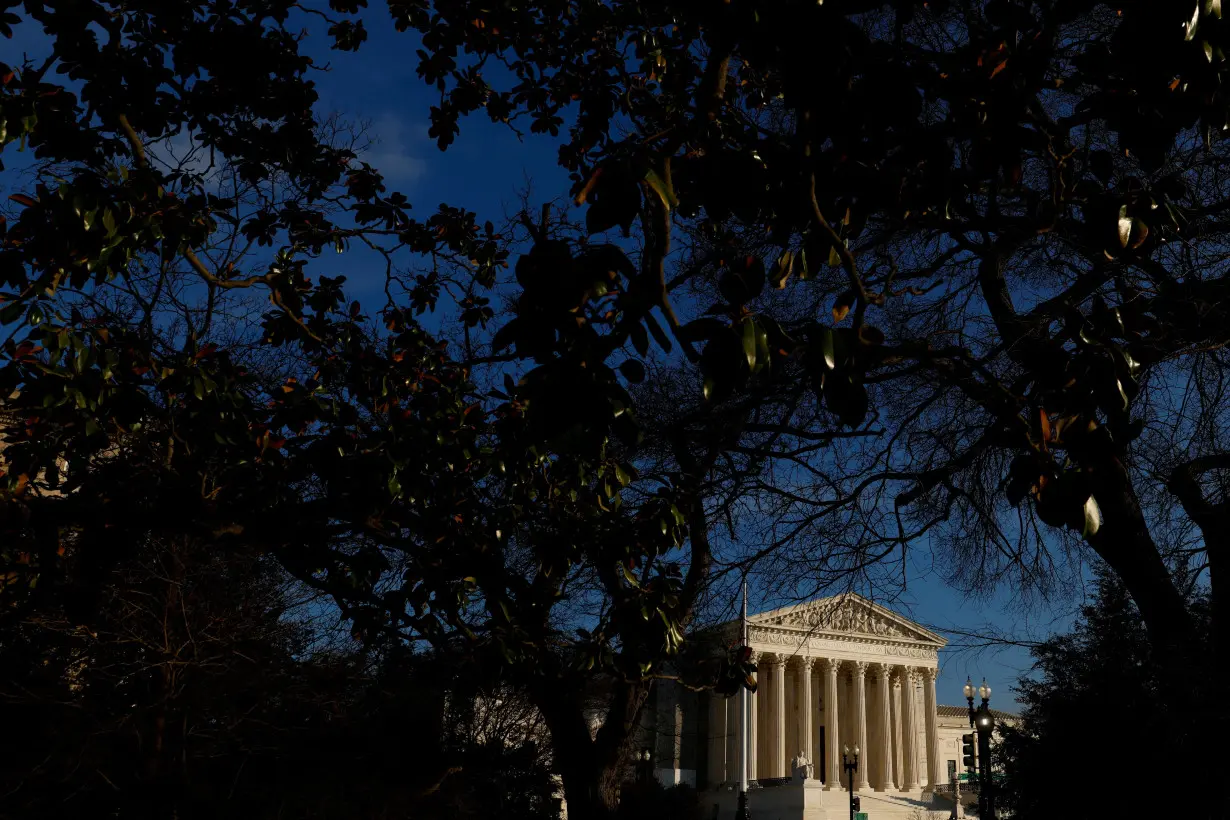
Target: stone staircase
903 806
799 801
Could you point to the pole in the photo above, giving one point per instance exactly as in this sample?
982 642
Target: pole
986 806
742 812
850 771
744 707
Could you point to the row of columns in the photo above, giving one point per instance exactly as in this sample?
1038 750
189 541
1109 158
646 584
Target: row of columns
884 729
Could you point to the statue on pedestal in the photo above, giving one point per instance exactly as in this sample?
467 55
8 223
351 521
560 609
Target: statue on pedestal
801 768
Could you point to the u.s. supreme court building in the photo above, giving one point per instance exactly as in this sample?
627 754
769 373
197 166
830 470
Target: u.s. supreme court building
832 673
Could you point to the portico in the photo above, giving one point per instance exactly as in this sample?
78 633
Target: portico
835 672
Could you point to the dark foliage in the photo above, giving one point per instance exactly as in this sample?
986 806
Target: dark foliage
193 695
1093 705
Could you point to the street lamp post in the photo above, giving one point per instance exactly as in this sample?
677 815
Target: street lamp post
983 722
851 766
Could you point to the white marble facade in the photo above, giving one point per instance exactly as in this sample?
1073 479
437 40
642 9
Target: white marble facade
834 672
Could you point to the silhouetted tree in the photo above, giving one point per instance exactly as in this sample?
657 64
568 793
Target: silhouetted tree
1090 708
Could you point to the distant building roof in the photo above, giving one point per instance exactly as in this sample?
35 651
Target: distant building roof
963 711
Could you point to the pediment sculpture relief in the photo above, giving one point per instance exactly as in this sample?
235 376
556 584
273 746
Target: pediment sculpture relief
850 616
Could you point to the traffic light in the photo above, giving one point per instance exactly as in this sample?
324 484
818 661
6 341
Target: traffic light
967 751
858 803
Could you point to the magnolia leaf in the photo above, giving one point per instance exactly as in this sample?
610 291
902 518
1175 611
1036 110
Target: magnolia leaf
749 343
662 188
781 272
843 304
1093 518
1190 27
827 349
1142 233
1125 226
834 259
659 334
640 339
633 371
762 344
505 336
589 187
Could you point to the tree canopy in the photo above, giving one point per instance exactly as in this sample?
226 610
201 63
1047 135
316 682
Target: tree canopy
1088 680
888 271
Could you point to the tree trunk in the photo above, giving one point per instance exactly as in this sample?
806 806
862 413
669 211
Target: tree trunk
591 764
590 786
592 792
1213 519
1124 542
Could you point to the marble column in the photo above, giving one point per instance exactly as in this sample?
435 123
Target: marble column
717 739
832 751
884 751
859 680
929 715
817 688
895 723
778 735
804 699
764 714
909 742
668 719
753 722
734 709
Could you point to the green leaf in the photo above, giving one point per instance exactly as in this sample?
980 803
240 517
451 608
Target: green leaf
659 334
762 345
834 259
782 270
1125 226
662 188
1093 518
841 307
11 312
702 329
749 343
633 371
827 349
1189 29
640 339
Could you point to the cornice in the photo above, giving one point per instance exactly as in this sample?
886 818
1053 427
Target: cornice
815 640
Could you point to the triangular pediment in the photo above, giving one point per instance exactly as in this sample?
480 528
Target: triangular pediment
849 614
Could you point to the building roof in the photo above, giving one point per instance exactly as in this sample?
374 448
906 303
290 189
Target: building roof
847 612
963 711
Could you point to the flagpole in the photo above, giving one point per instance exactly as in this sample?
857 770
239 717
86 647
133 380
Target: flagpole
743 741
